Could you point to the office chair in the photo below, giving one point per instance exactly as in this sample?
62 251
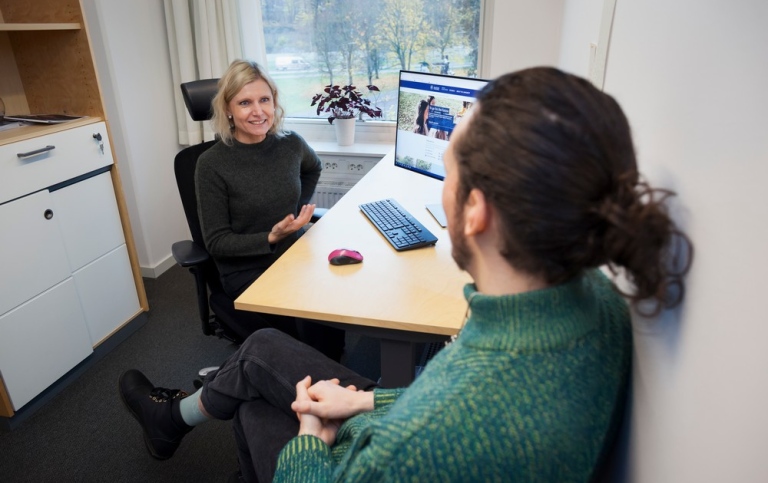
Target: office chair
217 312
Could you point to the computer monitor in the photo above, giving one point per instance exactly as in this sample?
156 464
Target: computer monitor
428 108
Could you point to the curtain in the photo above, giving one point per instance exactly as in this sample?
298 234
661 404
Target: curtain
204 36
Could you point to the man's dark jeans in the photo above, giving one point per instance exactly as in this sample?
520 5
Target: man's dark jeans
256 387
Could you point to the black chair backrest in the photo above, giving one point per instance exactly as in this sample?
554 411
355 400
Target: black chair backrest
184 167
198 96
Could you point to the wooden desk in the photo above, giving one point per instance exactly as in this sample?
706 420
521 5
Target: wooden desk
402 298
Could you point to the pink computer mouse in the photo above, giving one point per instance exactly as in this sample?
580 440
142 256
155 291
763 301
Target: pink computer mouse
344 256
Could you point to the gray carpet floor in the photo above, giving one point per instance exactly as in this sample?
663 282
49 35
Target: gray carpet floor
85 435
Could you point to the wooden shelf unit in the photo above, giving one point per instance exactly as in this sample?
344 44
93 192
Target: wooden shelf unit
47 67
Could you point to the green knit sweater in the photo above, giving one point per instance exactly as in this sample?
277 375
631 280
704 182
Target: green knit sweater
530 391
244 190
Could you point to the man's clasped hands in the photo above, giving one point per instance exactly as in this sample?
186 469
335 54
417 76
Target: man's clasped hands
322 407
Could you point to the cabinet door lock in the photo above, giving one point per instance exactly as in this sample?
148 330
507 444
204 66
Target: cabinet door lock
97 136
48 214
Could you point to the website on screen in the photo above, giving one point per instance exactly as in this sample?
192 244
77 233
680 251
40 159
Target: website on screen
429 107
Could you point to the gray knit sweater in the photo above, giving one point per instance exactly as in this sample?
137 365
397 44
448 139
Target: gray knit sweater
244 190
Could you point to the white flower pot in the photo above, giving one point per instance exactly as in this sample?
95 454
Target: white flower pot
345 131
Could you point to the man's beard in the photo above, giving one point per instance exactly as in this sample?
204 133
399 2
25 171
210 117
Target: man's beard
459 248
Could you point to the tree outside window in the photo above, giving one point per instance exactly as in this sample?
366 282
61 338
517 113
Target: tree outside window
313 43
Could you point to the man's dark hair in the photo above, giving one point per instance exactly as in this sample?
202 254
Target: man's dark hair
554 157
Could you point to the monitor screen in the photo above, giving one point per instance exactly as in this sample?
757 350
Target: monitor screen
428 108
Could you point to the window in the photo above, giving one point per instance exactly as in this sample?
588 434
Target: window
313 43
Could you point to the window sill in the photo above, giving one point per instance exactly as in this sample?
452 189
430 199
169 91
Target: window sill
373 150
372 138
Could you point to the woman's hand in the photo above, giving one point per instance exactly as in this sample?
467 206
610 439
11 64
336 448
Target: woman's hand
291 224
310 424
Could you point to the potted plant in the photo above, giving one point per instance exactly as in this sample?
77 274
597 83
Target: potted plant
345 104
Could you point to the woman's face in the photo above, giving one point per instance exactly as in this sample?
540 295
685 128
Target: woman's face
252 111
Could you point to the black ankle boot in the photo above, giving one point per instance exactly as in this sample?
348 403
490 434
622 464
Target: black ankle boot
157 411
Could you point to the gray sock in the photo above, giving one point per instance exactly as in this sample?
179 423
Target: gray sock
190 411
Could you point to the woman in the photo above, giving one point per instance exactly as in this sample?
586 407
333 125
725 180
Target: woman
254 186
421 118
541 190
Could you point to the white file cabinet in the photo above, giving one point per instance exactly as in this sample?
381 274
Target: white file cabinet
66 282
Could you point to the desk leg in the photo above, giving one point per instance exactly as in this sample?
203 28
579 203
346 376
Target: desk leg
398 363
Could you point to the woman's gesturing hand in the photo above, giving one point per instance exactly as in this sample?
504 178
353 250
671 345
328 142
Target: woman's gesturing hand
291 224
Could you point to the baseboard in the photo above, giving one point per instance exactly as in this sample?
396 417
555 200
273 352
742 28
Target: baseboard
159 269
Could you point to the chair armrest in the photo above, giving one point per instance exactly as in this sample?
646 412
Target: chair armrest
188 253
319 212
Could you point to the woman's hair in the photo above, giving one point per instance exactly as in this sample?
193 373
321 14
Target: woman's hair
571 197
423 106
238 74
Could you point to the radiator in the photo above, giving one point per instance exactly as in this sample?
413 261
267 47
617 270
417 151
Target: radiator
326 197
340 174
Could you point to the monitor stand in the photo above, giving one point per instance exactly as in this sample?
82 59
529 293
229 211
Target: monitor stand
436 210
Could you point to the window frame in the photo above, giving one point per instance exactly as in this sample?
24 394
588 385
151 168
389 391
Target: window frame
367 130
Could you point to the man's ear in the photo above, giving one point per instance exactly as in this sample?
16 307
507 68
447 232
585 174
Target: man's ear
476 213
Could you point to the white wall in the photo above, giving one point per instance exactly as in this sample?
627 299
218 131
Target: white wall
524 33
132 60
691 76
580 28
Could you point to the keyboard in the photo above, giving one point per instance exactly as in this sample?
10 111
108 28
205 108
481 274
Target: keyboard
402 231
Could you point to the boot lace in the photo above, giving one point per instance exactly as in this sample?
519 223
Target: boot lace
161 394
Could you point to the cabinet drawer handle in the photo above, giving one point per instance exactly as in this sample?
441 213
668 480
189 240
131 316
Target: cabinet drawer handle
36 152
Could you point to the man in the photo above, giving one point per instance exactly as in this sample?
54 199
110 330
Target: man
532 387
445 67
